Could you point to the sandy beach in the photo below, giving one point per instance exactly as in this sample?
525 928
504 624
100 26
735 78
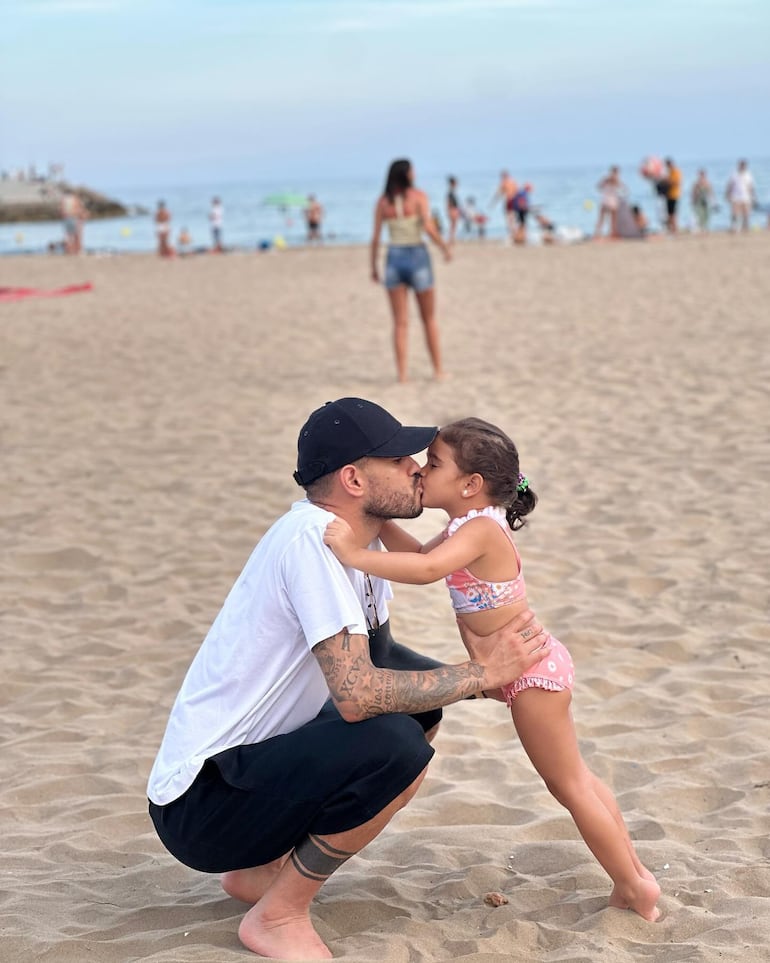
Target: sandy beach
149 432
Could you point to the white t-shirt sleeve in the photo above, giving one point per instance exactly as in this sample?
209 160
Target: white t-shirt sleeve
319 589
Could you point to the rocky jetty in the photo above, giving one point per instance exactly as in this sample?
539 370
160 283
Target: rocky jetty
40 201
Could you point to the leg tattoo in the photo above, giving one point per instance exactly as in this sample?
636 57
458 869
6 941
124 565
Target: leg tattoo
316 859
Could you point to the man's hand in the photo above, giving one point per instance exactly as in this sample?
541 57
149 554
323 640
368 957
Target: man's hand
508 653
340 538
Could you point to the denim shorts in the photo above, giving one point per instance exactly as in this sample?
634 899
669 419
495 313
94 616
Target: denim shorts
409 264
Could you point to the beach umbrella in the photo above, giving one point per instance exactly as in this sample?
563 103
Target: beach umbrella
286 199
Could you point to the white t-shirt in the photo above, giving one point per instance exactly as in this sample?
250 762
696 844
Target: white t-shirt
255 675
216 215
740 187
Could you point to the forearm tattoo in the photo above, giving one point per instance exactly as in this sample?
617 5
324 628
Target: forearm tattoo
316 859
352 678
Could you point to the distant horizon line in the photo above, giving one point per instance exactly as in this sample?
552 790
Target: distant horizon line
424 172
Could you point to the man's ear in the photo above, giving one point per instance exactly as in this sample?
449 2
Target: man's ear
350 479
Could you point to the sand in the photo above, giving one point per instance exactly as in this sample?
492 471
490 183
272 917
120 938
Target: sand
148 442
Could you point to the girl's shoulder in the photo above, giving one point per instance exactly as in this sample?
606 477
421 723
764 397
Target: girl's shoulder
494 512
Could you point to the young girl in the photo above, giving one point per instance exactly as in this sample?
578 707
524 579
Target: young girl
473 474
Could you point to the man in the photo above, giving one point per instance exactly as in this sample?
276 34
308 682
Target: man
741 196
301 727
314 213
505 192
216 221
73 215
672 193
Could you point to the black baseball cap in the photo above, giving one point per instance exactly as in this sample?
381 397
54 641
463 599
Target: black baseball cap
345 430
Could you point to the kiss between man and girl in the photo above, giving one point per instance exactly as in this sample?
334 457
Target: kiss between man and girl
302 726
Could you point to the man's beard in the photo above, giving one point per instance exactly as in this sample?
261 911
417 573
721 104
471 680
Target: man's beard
383 503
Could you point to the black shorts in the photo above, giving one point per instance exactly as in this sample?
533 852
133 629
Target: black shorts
671 203
251 804
521 216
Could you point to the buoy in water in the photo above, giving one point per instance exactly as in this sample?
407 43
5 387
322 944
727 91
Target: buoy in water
279 242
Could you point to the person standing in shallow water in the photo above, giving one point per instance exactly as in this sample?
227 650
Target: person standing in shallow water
453 209
163 230
406 212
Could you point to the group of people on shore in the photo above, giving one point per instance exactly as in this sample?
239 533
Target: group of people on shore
406 213
184 243
668 184
517 206
313 214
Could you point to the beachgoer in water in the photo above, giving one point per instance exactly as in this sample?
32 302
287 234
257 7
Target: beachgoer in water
547 228
453 209
406 212
671 192
505 193
702 200
73 214
520 207
741 195
640 220
163 230
314 213
612 189
474 218
473 474
216 223
184 242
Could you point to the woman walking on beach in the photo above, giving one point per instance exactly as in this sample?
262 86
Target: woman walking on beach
406 211
473 474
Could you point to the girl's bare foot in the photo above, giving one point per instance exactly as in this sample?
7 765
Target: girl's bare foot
643 900
286 939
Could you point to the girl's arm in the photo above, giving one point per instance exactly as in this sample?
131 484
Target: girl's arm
461 550
396 539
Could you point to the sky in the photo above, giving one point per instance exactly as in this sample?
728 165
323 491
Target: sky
155 91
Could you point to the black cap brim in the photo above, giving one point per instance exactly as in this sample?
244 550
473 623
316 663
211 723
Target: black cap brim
406 441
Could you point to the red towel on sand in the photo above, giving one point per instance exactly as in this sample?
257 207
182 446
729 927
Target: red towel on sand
18 294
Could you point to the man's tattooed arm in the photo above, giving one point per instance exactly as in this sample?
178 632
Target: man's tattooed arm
361 690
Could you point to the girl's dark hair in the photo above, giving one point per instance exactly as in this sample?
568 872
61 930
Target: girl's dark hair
480 447
399 179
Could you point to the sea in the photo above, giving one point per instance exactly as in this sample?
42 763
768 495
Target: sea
254 220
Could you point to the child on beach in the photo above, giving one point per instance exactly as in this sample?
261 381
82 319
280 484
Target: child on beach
473 474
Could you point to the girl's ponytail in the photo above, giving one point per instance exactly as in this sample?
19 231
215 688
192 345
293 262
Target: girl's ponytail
524 500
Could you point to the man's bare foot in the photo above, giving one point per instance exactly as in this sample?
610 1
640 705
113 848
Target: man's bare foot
441 376
643 900
286 939
250 885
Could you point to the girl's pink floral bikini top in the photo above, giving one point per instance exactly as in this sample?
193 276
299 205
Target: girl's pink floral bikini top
472 594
